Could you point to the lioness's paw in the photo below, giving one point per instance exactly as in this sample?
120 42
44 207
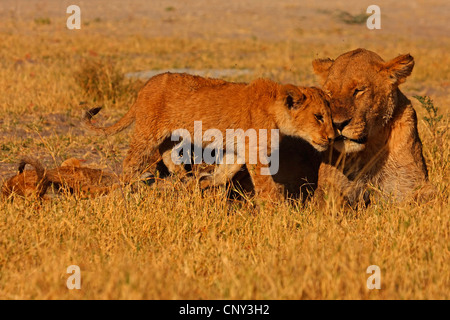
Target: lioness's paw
148 178
426 193
205 181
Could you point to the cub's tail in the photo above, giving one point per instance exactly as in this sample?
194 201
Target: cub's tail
120 125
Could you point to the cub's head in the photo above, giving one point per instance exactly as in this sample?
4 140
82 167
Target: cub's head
363 91
306 114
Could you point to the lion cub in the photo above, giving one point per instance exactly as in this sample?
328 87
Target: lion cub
175 101
27 183
71 177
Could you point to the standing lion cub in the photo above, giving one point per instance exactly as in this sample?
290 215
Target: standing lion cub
169 102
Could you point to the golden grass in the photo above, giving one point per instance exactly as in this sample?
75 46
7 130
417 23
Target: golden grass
180 243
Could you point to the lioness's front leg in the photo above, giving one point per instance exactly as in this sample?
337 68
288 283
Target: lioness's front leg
411 178
335 185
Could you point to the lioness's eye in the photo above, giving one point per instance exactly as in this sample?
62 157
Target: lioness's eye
358 91
319 117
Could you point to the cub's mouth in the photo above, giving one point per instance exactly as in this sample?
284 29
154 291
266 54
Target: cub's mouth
320 146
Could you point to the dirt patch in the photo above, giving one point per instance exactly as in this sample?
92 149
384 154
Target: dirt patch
265 19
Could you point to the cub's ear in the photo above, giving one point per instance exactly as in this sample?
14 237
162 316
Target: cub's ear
399 68
292 96
322 68
72 162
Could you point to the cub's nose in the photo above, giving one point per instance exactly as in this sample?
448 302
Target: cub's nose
341 125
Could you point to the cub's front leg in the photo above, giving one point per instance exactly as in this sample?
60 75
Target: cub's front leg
223 172
265 187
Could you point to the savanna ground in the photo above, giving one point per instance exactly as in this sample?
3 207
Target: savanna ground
178 243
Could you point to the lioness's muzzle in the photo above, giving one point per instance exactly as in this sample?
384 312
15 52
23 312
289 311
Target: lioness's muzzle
361 140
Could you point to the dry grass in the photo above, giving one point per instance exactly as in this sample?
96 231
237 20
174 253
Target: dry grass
180 243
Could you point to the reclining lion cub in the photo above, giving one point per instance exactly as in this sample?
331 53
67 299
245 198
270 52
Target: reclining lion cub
174 101
378 142
27 183
70 176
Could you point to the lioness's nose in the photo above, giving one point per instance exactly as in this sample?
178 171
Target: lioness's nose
341 125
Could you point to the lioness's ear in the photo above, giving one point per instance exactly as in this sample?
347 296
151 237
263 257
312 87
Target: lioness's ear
322 68
400 68
292 96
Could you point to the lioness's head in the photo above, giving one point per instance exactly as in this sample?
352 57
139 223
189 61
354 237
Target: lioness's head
363 91
307 115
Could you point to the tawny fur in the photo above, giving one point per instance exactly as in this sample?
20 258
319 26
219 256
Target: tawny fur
27 183
70 177
379 144
172 101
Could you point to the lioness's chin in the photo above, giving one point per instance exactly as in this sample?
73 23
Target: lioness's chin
348 146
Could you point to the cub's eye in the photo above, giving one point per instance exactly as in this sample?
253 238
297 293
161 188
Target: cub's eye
358 91
319 117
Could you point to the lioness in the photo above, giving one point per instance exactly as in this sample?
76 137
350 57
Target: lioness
174 101
70 176
378 142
